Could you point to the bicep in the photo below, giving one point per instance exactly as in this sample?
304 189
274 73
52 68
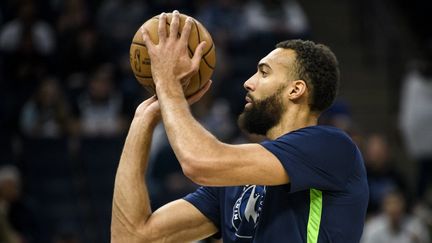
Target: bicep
178 221
245 164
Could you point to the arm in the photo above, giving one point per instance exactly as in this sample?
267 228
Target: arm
206 160
203 158
132 218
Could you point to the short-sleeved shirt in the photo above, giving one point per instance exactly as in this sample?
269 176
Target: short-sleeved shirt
325 200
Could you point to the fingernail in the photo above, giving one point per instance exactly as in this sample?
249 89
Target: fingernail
176 11
162 14
189 19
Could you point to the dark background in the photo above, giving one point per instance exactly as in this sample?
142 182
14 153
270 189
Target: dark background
67 96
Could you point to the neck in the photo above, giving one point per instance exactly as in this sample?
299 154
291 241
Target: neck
293 119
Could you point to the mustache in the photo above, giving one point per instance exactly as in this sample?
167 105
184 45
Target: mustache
250 97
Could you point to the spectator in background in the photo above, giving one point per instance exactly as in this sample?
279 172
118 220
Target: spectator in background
416 115
8 193
184 6
80 54
72 15
218 17
215 116
27 24
80 50
394 225
17 223
118 20
132 91
27 43
340 115
100 108
382 176
277 17
167 176
47 113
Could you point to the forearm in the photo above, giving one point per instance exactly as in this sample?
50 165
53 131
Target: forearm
131 204
186 135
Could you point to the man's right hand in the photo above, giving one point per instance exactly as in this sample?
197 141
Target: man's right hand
150 107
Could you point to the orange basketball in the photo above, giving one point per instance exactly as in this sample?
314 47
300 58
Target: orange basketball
140 61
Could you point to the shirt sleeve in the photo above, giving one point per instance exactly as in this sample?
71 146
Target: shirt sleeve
206 200
315 159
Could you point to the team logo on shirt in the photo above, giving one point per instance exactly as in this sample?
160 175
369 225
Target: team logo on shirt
247 209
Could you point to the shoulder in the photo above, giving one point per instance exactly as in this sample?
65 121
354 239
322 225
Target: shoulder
317 137
319 131
324 146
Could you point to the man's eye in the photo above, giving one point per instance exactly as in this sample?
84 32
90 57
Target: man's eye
264 74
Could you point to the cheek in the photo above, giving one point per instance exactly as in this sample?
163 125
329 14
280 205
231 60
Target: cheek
267 86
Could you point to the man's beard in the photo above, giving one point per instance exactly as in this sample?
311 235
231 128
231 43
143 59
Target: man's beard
263 115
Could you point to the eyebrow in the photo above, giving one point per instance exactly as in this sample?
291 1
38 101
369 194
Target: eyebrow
263 64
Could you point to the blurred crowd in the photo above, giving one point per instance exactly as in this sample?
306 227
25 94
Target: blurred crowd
67 96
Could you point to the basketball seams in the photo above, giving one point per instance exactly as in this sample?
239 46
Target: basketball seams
205 58
209 50
139 44
143 76
147 79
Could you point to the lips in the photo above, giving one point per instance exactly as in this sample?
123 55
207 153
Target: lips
248 100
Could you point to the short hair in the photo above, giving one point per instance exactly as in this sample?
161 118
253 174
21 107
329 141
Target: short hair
317 65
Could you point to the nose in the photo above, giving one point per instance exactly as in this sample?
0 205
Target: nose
249 85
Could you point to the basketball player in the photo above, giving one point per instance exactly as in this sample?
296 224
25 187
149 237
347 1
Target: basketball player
306 183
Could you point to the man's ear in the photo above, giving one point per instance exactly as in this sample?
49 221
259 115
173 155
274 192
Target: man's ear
297 89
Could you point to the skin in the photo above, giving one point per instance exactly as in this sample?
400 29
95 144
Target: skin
217 163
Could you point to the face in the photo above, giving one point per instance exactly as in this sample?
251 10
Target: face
394 206
10 190
266 92
377 152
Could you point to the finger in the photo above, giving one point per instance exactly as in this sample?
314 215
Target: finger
199 51
153 98
162 28
150 100
174 27
146 38
147 102
198 95
184 38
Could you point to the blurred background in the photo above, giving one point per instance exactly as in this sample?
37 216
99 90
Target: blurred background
67 96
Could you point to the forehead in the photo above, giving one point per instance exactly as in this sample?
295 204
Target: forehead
280 58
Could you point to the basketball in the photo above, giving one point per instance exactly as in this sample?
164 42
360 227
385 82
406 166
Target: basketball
140 61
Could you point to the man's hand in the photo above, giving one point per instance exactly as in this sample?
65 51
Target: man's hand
150 107
170 62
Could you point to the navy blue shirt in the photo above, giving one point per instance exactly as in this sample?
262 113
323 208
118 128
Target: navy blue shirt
325 201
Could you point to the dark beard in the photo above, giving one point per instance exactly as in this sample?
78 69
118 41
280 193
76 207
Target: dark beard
264 115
